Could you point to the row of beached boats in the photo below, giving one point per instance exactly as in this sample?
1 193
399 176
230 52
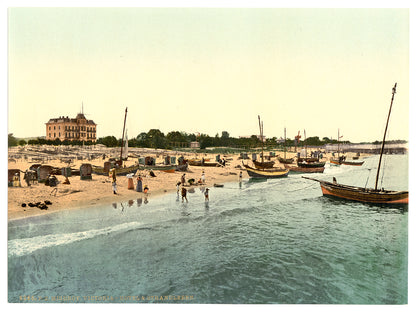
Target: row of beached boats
266 169
332 189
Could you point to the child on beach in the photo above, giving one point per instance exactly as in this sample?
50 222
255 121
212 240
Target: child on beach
206 194
203 177
184 194
114 184
139 184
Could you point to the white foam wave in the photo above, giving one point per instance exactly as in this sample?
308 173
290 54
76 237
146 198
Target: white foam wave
20 247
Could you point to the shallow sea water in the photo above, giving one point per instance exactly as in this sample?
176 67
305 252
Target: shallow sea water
267 241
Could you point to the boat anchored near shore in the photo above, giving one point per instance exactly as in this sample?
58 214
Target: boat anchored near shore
366 195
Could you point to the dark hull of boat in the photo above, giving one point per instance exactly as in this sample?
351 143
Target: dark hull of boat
203 164
305 169
134 168
119 171
306 159
266 173
360 194
165 168
183 167
311 164
263 165
346 162
285 160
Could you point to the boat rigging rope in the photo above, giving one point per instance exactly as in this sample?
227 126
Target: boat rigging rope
369 170
384 163
303 188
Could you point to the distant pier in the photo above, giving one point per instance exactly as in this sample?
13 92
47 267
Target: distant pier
401 148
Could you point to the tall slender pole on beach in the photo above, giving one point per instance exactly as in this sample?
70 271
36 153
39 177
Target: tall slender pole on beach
261 138
338 144
285 144
304 143
385 131
122 137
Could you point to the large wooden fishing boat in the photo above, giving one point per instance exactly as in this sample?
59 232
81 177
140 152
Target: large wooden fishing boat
366 195
362 194
266 173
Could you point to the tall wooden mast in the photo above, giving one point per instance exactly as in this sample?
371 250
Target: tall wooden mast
122 138
285 144
261 138
385 131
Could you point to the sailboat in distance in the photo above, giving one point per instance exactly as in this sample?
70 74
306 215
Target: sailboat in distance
366 195
264 171
262 164
342 160
285 160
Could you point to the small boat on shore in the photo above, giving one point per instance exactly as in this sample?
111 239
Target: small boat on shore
266 173
284 160
305 169
305 164
202 163
341 161
165 168
309 162
119 170
263 164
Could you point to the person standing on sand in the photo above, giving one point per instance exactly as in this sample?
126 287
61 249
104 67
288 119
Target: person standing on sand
139 185
27 177
114 184
241 175
183 179
184 194
203 177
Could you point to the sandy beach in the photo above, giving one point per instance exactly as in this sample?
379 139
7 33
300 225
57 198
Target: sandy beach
83 193
97 191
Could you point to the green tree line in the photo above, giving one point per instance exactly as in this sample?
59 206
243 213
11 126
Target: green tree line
154 138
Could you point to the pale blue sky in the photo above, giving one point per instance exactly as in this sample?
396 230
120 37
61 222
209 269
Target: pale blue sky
208 70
